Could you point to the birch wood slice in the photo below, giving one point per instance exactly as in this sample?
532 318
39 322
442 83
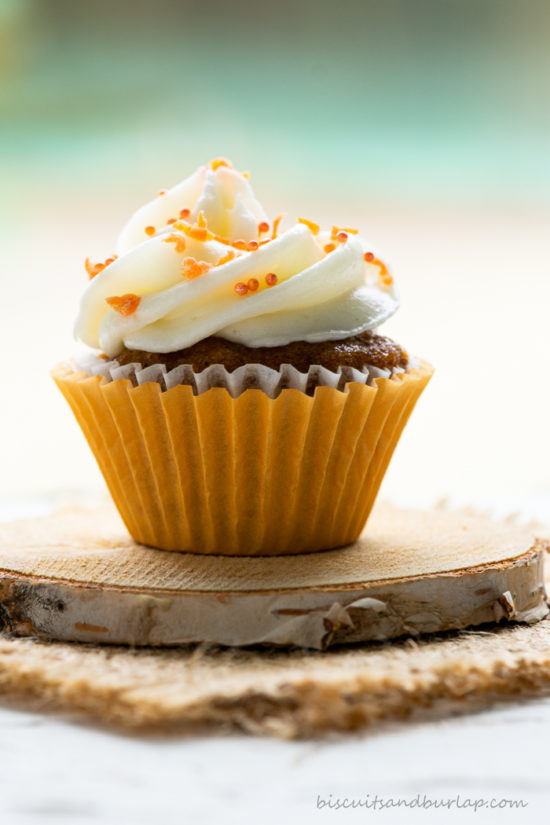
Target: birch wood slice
77 576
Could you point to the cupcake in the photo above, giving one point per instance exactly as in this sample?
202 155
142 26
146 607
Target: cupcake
232 385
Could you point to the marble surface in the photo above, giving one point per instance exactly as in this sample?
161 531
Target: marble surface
60 772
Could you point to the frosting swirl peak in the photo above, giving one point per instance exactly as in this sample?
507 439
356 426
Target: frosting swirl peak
201 259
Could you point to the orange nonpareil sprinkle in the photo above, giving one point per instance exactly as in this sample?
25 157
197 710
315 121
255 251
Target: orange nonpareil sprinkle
276 223
162 192
342 237
150 230
329 247
253 284
263 226
314 227
253 246
95 269
170 221
240 288
192 268
124 304
226 258
240 245
184 213
271 279
383 273
217 162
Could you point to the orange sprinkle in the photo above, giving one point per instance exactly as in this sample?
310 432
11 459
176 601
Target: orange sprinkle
314 227
192 268
253 284
217 162
329 247
124 304
198 233
342 237
276 223
388 280
271 279
225 241
162 192
246 175
349 229
226 258
95 269
184 213
178 240
240 288
240 245
369 257
253 245
170 221
263 227
201 220
150 230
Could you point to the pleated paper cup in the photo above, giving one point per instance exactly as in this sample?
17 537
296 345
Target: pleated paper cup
244 475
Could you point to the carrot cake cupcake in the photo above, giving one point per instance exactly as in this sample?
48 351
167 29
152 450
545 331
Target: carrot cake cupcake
234 388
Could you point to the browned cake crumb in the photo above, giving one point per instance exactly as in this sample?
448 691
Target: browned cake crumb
357 351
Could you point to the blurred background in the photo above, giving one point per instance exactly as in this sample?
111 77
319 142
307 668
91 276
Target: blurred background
425 124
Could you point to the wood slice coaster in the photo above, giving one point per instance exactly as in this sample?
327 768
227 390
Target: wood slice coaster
77 576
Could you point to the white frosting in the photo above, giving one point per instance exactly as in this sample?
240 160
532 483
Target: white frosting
318 296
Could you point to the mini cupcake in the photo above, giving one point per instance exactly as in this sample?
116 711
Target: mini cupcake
233 388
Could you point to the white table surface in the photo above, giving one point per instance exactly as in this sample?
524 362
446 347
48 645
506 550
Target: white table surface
57 770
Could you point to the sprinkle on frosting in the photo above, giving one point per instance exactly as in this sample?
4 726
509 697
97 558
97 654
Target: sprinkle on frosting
124 304
226 258
217 162
276 223
314 227
95 269
191 268
226 246
177 240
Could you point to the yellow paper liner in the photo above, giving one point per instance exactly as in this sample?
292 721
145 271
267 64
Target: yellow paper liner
249 475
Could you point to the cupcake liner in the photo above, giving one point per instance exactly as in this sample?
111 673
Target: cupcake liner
207 464
250 376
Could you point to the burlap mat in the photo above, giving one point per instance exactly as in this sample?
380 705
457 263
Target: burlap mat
285 694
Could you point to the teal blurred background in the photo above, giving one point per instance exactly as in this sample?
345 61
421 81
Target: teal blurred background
426 124
400 99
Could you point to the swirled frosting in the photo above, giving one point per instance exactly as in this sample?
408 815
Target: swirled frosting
202 259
